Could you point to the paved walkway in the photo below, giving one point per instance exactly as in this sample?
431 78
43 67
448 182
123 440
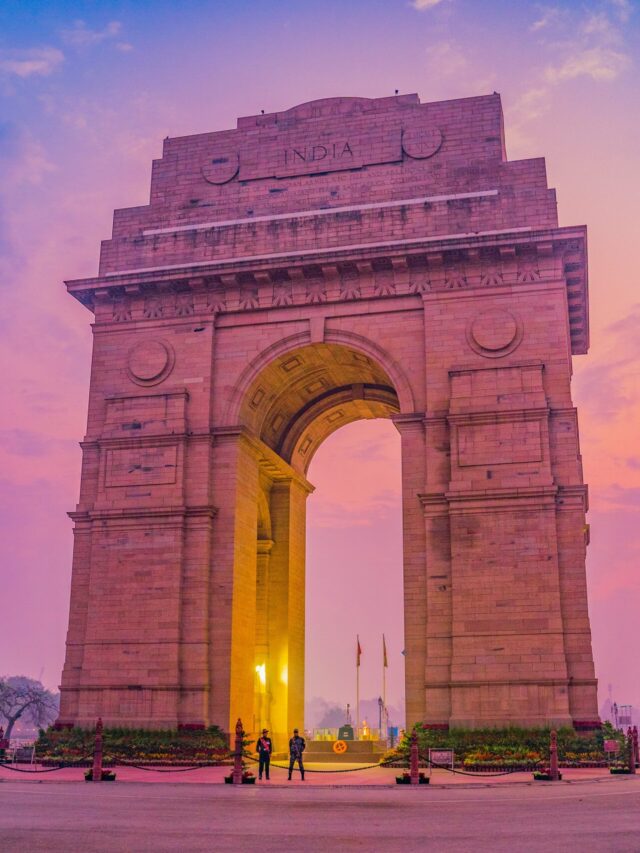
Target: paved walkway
73 817
377 776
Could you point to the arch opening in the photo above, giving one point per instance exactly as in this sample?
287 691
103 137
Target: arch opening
354 579
304 395
290 407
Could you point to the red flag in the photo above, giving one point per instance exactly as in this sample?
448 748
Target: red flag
385 662
358 650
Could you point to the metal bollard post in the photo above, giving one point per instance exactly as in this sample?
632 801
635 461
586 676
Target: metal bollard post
237 758
554 773
96 773
634 732
632 752
414 769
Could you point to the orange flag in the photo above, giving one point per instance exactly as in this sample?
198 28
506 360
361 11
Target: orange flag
385 662
358 650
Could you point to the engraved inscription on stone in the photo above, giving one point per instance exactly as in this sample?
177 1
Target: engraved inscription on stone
141 466
281 154
421 142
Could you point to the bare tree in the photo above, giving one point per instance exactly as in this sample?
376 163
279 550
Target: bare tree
22 697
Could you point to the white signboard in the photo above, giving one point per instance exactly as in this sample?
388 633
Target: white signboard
441 757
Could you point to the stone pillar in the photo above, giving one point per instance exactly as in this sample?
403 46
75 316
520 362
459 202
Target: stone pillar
79 602
262 710
233 580
572 545
411 429
287 607
193 707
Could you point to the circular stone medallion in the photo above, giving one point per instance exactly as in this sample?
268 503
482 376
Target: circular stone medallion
494 332
421 142
150 362
221 167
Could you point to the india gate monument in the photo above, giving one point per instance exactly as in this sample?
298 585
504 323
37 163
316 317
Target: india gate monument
347 258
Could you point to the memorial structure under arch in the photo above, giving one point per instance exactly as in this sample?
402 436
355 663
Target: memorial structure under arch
347 258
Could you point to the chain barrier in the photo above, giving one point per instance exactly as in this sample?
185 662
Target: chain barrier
112 762
397 763
48 769
477 774
123 763
393 763
309 770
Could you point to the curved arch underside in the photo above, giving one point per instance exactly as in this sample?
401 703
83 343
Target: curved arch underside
304 395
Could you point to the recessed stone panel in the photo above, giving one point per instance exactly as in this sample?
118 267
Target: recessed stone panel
141 466
499 444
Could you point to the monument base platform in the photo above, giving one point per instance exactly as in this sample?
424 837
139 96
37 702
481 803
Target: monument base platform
358 752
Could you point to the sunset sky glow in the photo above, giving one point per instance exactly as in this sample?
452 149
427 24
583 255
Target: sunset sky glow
88 91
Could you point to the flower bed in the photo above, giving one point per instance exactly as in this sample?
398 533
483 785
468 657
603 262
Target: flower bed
498 750
160 748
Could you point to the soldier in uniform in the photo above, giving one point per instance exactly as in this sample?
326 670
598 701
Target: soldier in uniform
264 748
297 746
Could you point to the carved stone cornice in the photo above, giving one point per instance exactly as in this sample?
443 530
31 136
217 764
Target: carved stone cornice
521 499
129 516
493 416
410 268
573 497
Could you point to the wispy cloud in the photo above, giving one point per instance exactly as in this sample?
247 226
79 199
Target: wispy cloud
607 387
591 45
23 159
587 44
622 8
623 496
80 35
600 24
37 61
598 63
458 71
423 5
548 15
447 58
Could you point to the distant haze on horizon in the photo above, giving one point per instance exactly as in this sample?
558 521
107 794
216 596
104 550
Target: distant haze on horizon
88 92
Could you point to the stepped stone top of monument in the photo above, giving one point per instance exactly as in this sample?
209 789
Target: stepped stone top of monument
341 180
342 156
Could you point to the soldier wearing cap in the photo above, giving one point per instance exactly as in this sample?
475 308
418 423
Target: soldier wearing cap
296 748
264 748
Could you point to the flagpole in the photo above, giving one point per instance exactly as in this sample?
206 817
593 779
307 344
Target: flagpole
384 686
357 685
384 674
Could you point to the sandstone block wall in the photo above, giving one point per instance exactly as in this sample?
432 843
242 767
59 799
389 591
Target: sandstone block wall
345 259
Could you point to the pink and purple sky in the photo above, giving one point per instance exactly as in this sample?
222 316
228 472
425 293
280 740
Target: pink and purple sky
88 90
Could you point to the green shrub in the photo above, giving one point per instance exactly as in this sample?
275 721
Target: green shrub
511 745
137 745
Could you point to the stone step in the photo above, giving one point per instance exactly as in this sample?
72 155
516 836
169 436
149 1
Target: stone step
360 746
358 752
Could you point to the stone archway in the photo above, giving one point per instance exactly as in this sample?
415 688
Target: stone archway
290 405
281 283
